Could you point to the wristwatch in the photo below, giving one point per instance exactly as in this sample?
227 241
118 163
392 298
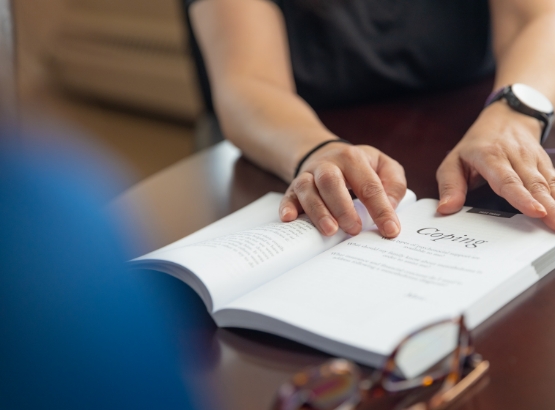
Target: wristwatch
528 101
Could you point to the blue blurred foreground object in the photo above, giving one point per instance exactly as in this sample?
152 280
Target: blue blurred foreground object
77 331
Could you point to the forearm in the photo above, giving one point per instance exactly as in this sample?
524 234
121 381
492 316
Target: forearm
529 57
502 146
273 126
244 44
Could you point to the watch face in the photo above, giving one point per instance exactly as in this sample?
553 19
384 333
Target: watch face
532 98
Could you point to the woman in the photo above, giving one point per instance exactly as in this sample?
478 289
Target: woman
270 62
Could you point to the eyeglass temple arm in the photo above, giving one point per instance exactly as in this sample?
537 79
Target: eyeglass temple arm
443 398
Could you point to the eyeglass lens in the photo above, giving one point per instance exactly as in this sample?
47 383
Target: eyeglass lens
425 357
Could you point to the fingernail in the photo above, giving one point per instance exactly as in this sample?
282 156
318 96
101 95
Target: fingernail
285 211
390 229
540 208
328 225
444 200
393 201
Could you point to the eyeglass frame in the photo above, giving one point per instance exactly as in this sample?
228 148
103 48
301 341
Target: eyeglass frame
377 384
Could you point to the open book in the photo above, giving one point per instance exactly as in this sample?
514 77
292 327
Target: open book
357 297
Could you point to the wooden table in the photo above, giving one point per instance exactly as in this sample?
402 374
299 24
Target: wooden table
246 367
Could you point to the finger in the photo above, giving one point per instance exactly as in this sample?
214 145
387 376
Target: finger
545 166
368 187
506 183
536 183
313 205
392 175
452 185
333 191
289 207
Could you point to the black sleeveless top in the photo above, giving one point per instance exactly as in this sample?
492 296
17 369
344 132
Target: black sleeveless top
347 52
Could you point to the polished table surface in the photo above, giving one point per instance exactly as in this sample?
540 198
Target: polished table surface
244 368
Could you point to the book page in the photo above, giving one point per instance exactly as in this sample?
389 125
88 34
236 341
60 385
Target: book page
234 264
259 212
369 292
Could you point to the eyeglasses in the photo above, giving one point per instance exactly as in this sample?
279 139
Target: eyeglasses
441 351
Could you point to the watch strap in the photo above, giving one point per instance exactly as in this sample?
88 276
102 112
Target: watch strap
514 102
495 96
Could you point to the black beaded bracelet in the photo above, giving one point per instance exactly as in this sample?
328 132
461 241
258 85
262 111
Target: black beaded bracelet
313 150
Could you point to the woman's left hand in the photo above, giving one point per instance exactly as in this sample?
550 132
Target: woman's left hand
503 148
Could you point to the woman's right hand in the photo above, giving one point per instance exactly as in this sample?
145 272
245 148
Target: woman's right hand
321 189
244 44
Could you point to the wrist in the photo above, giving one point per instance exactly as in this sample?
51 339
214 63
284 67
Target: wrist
299 150
526 100
500 113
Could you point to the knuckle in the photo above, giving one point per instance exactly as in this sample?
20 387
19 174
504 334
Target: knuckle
394 173
397 187
392 161
538 187
509 182
370 190
328 177
490 152
524 153
303 182
399 167
351 153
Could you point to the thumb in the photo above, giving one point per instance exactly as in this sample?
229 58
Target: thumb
452 186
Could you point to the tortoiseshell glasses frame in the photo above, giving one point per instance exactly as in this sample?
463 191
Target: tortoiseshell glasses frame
338 385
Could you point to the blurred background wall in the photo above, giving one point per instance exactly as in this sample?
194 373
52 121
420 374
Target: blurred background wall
116 70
